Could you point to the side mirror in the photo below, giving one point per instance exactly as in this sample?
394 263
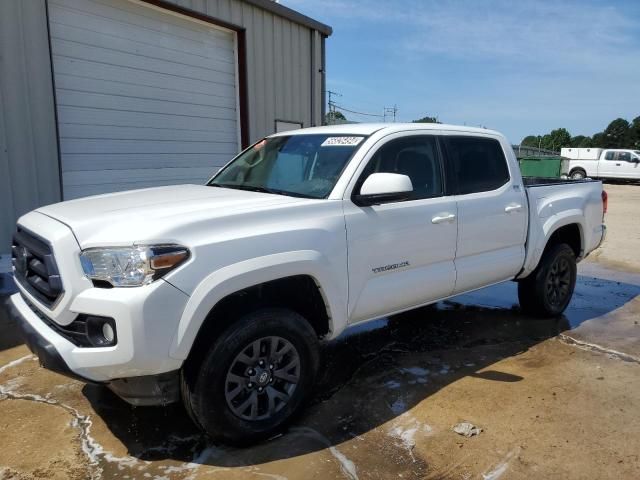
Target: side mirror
382 188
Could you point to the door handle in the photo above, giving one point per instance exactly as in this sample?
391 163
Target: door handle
443 217
513 208
617 164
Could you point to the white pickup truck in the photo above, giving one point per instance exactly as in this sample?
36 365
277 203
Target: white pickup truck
220 294
602 163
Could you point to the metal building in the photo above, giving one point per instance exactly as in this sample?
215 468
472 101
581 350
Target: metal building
105 95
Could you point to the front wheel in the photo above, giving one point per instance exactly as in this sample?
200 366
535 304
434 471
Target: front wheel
548 290
255 376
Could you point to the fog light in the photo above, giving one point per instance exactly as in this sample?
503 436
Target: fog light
101 331
108 333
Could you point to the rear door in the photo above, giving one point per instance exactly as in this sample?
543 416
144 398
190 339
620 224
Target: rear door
491 211
401 253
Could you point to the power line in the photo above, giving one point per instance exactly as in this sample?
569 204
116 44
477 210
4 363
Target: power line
357 113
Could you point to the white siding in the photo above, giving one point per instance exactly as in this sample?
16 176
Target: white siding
145 97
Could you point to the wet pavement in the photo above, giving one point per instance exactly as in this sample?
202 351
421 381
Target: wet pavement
554 398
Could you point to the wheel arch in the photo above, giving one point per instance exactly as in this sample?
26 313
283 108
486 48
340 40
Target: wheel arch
567 229
292 274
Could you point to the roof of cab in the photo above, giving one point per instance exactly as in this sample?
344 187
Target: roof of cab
370 128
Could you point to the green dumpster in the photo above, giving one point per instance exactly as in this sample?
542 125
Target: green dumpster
547 166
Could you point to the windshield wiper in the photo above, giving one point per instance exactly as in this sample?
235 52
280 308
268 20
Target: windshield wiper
256 188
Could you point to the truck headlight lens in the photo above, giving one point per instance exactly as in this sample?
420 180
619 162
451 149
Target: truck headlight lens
131 266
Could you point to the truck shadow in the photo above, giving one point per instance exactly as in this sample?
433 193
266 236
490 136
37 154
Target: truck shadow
374 374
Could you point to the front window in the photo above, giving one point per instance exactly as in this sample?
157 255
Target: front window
296 165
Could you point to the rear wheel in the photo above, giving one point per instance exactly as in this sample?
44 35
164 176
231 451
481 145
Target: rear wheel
255 376
548 290
578 174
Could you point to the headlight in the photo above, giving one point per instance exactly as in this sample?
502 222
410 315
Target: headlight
131 266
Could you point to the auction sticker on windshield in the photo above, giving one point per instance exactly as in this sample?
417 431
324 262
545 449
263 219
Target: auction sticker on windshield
341 141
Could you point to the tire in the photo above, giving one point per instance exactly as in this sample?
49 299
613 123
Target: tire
578 174
254 378
547 291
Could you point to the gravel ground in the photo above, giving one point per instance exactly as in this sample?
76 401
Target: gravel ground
553 398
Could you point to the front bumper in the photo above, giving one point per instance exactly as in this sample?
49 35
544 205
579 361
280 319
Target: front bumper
46 352
159 389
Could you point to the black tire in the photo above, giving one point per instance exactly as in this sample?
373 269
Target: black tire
578 174
547 291
217 408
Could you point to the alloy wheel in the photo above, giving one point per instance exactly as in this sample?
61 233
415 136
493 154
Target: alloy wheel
262 378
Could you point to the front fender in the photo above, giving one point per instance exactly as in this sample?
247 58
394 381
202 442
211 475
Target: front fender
248 273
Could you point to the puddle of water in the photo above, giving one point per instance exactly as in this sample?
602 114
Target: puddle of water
393 362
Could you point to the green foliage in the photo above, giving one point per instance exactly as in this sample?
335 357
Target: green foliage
580 141
618 134
427 120
531 141
556 139
634 134
331 117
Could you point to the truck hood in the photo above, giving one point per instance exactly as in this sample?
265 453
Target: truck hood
155 214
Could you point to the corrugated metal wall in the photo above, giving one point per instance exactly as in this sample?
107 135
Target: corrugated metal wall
284 82
29 172
284 62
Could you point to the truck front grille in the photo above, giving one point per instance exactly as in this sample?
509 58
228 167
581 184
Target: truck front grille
35 267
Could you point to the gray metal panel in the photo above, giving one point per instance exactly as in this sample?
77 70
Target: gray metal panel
29 172
284 61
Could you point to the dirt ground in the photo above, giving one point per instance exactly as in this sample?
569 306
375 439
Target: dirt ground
623 218
554 398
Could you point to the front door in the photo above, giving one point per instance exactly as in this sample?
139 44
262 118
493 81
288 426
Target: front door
614 164
492 211
629 166
401 254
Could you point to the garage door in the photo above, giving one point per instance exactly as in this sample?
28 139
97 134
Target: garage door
144 97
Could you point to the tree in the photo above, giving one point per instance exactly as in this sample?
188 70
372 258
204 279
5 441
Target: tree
531 141
597 140
334 117
634 134
427 119
617 134
556 139
580 141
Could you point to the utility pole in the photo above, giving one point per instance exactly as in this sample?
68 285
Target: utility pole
391 111
332 105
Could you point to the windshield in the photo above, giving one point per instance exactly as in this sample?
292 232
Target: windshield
296 165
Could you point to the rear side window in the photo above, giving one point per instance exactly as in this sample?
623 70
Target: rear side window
478 164
609 155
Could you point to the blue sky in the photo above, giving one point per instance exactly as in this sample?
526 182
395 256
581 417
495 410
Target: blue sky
520 66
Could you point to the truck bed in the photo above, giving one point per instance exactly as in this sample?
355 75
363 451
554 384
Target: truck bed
545 181
554 201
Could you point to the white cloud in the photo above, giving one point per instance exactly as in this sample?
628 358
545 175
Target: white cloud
551 34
